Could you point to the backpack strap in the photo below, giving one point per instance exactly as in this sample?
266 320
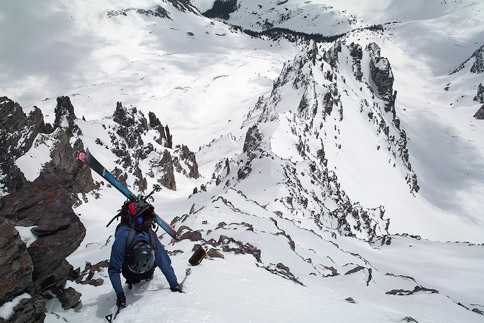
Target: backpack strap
133 233
129 241
152 239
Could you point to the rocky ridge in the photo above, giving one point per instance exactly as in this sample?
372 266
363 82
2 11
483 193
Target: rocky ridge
158 11
477 67
477 60
17 135
315 79
127 144
44 206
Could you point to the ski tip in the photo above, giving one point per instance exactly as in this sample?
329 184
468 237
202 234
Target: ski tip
81 156
109 318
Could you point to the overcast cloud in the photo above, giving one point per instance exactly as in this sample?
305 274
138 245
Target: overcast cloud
40 49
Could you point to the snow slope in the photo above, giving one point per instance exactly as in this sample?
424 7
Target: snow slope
274 209
445 140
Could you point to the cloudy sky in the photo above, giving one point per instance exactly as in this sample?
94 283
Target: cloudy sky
47 46
32 33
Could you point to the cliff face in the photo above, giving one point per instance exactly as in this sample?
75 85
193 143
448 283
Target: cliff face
17 134
43 207
312 105
133 152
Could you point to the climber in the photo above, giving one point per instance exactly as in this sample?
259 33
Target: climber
137 250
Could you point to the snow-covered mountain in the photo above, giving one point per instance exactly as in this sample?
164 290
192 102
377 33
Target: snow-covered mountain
327 154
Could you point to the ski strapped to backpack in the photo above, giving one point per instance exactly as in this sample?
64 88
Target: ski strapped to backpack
88 159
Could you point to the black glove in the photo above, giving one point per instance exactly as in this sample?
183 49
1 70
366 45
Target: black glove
178 288
121 301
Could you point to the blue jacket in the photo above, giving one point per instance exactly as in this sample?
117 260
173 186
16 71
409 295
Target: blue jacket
162 259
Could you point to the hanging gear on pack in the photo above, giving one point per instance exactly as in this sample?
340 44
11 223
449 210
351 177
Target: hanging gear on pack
138 215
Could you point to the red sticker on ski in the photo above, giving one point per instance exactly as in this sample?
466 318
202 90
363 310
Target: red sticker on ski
82 157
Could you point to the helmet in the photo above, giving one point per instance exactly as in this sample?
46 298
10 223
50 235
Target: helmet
141 258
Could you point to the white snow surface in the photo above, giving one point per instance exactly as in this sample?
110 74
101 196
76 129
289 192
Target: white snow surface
201 77
26 235
33 161
6 311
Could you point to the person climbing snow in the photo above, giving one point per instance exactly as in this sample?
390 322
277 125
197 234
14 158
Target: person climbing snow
137 250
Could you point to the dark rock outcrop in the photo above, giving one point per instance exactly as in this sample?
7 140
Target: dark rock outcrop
331 55
480 93
381 74
86 276
46 204
157 11
62 151
282 270
168 177
62 159
70 298
192 236
133 124
188 158
477 66
252 141
350 300
169 138
127 144
15 262
29 310
17 134
214 253
156 125
357 53
221 9
131 149
229 244
184 6
418 288
480 113
65 117
184 162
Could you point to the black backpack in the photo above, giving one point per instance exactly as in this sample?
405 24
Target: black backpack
140 216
